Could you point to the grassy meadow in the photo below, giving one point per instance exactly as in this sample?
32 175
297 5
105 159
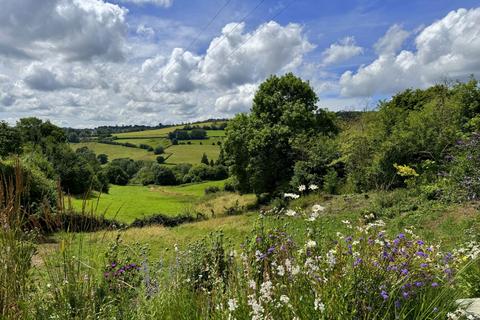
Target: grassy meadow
184 153
116 152
125 203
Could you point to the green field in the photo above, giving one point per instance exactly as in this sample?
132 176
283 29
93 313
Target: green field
125 203
155 133
115 152
153 142
191 153
216 133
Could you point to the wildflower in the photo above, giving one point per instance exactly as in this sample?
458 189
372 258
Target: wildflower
281 271
252 284
311 244
291 195
313 187
284 299
384 294
232 305
266 290
434 284
257 309
357 262
318 305
302 188
291 213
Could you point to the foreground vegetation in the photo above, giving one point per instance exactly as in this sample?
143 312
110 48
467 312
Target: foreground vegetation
368 215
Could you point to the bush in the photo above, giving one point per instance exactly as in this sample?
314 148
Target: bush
158 150
117 175
212 189
160 160
102 158
164 176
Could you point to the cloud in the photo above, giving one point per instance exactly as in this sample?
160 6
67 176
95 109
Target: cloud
77 30
145 31
177 74
392 40
237 100
158 3
448 48
7 99
236 57
39 77
344 50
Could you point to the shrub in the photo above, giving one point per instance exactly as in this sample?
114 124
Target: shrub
102 158
212 189
163 175
158 150
160 160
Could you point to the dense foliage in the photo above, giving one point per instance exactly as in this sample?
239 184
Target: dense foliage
44 147
286 141
262 147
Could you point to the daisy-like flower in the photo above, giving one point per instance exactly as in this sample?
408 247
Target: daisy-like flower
284 299
302 188
291 195
232 305
318 208
311 244
291 213
318 305
313 187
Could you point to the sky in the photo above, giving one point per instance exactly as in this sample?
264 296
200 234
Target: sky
86 63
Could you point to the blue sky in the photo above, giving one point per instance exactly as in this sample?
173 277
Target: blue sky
92 62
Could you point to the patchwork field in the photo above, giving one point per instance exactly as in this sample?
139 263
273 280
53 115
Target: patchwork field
191 153
125 203
116 152
153 142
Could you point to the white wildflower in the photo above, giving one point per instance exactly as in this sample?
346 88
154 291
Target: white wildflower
318 208
266 290
281 271
291 195
232 305
318 305
313 216
313 187
331 259
252 284
302 188
257 309
291 213
311 244
284 299
295 270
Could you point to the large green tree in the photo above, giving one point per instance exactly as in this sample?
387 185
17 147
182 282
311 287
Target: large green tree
10 141
260 147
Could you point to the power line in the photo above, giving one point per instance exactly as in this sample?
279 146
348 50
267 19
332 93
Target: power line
197 36
224 36
253 34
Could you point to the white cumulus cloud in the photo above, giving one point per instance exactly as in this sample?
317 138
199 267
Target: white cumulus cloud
341 51
448 48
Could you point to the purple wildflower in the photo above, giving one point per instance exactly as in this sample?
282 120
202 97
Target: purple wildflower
384 294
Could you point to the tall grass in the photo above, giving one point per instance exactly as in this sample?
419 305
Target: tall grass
16 247
360 274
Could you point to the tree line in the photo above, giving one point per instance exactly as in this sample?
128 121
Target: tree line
287 141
